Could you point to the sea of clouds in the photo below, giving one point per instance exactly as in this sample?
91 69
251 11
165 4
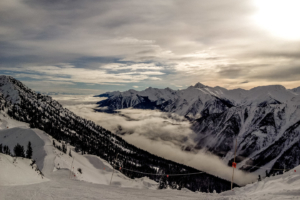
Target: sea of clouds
163 134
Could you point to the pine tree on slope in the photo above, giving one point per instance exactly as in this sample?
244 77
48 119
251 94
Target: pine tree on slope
19 151
29 151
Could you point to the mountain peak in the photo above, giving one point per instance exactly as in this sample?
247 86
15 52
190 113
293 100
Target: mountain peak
199 85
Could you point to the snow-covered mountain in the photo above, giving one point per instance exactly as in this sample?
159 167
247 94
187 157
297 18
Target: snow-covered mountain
264 120
198 100
42 112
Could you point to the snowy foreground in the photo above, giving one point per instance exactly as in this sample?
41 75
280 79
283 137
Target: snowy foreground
18 180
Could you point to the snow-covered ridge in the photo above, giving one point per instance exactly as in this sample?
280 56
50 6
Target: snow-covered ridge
197 100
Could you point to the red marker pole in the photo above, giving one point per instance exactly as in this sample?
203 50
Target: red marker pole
234 165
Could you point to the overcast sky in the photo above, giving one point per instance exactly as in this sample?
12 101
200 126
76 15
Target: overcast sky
92 46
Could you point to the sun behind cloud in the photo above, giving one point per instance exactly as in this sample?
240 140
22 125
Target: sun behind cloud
279 17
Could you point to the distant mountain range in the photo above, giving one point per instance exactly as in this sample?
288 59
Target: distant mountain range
264 120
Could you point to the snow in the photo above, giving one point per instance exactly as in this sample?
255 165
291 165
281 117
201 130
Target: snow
19 181
18 172
286 186
50 159
6 122
8 90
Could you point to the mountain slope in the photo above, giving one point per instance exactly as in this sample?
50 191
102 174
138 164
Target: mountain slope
42 112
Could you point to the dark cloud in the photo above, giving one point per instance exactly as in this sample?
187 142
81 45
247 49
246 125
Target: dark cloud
281 73
234 71
244 82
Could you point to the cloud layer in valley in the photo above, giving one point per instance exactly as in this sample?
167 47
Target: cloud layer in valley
162 134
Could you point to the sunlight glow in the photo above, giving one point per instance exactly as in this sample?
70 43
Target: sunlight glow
280 17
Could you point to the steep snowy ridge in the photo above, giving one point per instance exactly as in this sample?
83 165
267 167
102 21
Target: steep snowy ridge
264 120
196 100
41 112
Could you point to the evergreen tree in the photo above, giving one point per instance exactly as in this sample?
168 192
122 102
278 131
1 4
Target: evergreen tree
77 149
6 150
1 148
19 151
29 151
267 174
64 149
163 183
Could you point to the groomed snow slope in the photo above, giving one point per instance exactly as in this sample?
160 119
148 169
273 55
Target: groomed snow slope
280 187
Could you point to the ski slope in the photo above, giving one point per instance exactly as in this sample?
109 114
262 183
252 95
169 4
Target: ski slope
280 187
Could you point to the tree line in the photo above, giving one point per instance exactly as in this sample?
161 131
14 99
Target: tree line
19 150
